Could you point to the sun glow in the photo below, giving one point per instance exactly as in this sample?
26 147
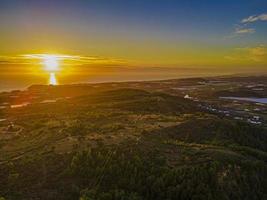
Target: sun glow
51 63
61 65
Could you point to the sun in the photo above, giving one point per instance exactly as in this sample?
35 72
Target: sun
51 63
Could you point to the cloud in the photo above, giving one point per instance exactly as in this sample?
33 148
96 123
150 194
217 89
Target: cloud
257 53
254 18
241 28
10 60
244 30
241 31
33 59
254 54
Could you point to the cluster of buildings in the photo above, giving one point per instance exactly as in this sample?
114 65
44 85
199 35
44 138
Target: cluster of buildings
244 115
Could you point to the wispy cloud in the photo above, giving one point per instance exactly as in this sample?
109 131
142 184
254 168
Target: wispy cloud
33 59
254 54
244 30
5 60
240 31
254 18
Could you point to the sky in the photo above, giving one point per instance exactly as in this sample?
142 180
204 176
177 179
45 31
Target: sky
135 36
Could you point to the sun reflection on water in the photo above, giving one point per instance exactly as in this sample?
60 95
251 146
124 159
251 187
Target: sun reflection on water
52 79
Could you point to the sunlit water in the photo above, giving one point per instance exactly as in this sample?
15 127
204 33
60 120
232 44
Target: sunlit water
111 74
52 79
256 100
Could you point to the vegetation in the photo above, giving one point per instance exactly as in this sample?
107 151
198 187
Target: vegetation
130 145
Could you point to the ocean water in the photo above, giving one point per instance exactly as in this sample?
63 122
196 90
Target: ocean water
22 81
251 99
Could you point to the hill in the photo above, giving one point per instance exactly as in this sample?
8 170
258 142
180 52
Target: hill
128 144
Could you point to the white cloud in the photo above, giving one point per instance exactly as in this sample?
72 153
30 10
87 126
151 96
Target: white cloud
244 30
254 18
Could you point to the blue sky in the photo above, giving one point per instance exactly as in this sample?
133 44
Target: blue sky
194 18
